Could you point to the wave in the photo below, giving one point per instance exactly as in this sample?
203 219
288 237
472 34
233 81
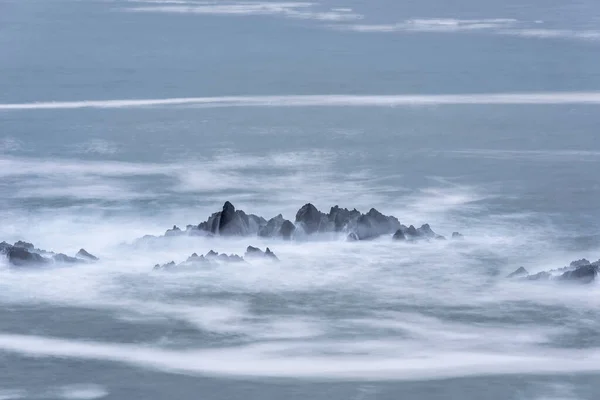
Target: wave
296 10
275 360
534 98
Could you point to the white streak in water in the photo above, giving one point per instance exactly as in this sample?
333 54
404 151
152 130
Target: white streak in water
298 10
274 360
544 98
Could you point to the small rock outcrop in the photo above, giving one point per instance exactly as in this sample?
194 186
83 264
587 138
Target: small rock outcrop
521 271
255 252
411 233
579 271
212 258
86 256
24 254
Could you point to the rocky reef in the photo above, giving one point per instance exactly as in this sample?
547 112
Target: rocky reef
212 258
580 271
308 221
24 255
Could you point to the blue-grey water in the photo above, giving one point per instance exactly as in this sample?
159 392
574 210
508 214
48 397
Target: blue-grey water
119 119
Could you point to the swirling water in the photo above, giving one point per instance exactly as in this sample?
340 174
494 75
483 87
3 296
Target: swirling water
119 119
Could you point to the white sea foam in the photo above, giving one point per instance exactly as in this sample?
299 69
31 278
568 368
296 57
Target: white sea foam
290 360
434 25
298 10
541 98
79 392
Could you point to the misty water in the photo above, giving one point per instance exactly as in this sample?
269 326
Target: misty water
120 119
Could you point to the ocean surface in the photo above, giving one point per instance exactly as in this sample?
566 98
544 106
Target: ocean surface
120 119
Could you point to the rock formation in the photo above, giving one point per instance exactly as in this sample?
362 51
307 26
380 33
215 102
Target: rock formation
580 271
308 221
212 258
23 254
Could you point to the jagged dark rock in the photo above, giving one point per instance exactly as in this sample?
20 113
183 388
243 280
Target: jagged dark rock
255 252
23 254
374 224
86 256
520 272
24 245
341 217
175 231
232 222
412 233
310 219
579 263
212 258
457 235
277 227
581 274
579 271
22 257
399 235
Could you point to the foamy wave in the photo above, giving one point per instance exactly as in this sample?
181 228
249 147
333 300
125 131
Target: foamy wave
275 360
501 26
298 10
543 98
434 25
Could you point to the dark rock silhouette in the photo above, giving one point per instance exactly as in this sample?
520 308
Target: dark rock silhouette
457 235
581 274
212 258
21 257
85 255
399 235
277 227
232 222
579 271
23 254
311 220
255 252
412 233
173 232
308 221
520 272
